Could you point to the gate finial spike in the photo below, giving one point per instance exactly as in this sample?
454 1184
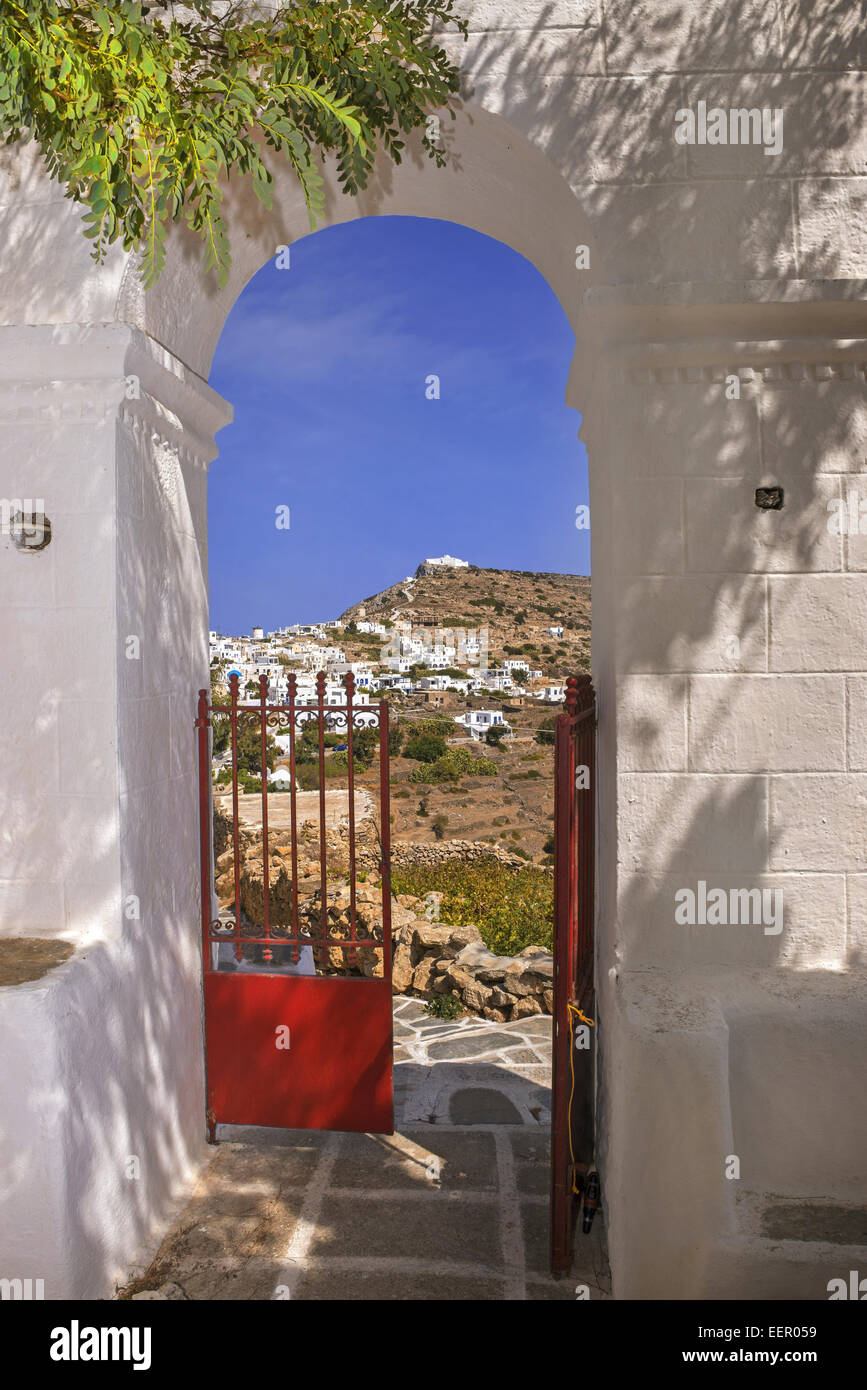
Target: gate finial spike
571 694
320 684
350 685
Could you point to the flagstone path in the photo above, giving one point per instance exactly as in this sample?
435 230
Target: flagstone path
452 1206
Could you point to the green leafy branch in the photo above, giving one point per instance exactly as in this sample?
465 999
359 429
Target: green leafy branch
143 116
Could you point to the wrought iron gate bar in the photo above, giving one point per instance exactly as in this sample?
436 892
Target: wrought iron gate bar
294 715
285 1048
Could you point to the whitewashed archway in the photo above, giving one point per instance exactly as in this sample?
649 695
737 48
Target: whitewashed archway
728 647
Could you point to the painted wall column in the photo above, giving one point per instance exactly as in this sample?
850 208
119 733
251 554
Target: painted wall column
733 649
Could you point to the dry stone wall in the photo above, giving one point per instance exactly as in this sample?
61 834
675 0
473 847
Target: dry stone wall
469 850
433 958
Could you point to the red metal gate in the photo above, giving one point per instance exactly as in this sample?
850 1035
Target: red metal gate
573 1089
309 1050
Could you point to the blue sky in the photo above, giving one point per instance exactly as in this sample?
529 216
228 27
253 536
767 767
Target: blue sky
325 364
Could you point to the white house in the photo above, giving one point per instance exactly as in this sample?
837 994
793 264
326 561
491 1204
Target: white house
443 562
555 694
554 631
480 721
493 678
393 682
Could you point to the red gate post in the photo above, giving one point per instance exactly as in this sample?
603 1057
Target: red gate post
320 697
561 1185
293 821
574 904
350 766
267 954
385 813
203 724
236 837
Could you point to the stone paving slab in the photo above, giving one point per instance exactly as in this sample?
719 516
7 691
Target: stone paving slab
417 1158
452 1207
330 1284
387 1225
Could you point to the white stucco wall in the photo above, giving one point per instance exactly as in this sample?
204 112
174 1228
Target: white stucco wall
743 771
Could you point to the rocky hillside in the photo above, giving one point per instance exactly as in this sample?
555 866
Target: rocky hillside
516 606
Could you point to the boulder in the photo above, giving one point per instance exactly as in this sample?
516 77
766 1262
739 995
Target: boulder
526 1008
401 969
459 979
421 978
484 964
518 980
427 937
476 996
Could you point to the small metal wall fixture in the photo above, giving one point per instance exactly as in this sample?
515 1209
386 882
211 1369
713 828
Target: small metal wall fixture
769 499
30 531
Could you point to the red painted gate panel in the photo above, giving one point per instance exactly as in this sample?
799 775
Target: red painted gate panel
285 1049
335 1072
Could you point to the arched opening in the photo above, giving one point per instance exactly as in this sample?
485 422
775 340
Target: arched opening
398 388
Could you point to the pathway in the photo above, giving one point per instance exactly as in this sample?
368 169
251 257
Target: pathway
452 1206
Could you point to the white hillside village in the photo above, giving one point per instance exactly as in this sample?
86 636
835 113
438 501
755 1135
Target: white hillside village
417 660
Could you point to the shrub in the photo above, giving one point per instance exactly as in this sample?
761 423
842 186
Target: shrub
446 1006
548 847
511 907
545 732
456 763
439 725
425 748
438 825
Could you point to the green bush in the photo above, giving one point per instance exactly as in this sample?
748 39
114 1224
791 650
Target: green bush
545 733
511 907
456 763
446 1006
438 725
425 748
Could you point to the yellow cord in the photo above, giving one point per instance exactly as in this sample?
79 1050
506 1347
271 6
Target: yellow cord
573 1010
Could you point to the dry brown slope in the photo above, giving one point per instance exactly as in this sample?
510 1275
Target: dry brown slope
517 607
